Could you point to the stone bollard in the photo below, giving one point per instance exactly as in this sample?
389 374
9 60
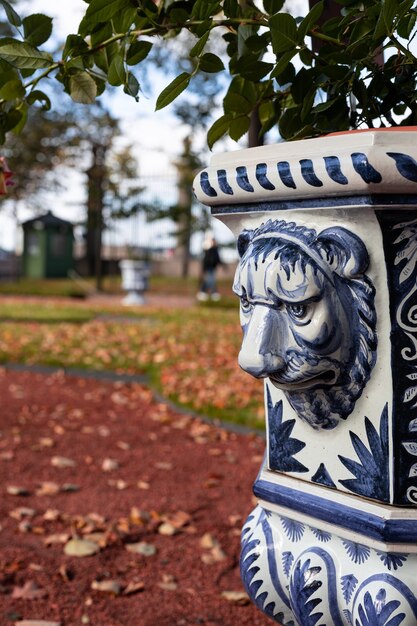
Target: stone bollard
135 277
327 236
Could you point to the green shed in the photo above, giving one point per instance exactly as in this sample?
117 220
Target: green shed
48 247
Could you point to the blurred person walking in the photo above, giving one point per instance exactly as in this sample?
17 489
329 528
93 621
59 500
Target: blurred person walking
210 263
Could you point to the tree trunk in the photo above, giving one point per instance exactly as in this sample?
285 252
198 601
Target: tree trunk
96 175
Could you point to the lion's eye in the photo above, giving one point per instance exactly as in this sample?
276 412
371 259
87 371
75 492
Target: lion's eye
298 311
245 304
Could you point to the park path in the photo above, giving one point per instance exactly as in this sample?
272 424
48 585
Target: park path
156 496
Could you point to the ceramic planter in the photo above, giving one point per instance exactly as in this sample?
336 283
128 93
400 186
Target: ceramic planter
327 236
135 276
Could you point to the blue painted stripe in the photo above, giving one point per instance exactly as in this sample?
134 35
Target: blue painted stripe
242 179
365 170
262 178
369 525
223 182
382 202
272 562
332 584
205 185
406 165
308 173
285 175
334 170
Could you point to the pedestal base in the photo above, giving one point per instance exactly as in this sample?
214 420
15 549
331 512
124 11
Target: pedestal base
133 298
299 574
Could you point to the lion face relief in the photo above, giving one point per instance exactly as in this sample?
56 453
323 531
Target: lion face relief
308 316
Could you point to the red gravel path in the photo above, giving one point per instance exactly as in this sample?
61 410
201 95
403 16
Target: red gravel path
159 467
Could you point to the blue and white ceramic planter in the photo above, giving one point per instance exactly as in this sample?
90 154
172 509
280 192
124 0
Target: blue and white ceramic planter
327 235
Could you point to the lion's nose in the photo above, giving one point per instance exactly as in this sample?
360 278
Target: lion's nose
260 351
259 365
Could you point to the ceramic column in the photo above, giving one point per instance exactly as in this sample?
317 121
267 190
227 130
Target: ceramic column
327 236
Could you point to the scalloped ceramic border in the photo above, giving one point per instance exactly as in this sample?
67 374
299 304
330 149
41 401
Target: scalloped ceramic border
340 165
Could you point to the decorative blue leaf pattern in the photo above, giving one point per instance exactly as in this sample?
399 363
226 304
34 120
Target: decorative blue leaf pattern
282 446
321 535
287 561
304 584
349 583
391 560
293 529
377 612
356 552
372 471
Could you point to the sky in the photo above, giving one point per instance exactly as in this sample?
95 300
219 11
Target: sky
156 137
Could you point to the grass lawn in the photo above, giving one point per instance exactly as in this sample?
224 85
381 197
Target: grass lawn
189 354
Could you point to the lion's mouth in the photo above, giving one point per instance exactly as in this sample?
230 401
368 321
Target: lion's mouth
328 377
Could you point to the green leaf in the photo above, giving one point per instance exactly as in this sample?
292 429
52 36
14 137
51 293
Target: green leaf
37 29
218 130
238 127
211 63
385 22
203 9
310 20
250 68
231 8
273 6
103 10
11 14
10 120
123 20
173 90
283 32
39 96
74 44
12 90
236 103
83 88
117 73
198 48
138 51
23 55
283 62
132 86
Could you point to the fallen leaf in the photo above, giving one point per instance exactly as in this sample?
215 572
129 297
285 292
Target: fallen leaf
133 587
81 547
48 489
109 465
119 484
167 529
208 542
56 538
62 461
66 573
70 488
15 490
51 515
237 597
178 519
107 586
142 484
21 512
147 549
164 466
168 583
29 591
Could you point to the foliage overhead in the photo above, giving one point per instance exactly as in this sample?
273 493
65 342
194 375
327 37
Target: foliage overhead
336 84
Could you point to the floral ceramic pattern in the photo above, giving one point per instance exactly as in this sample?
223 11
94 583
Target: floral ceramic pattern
340 583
